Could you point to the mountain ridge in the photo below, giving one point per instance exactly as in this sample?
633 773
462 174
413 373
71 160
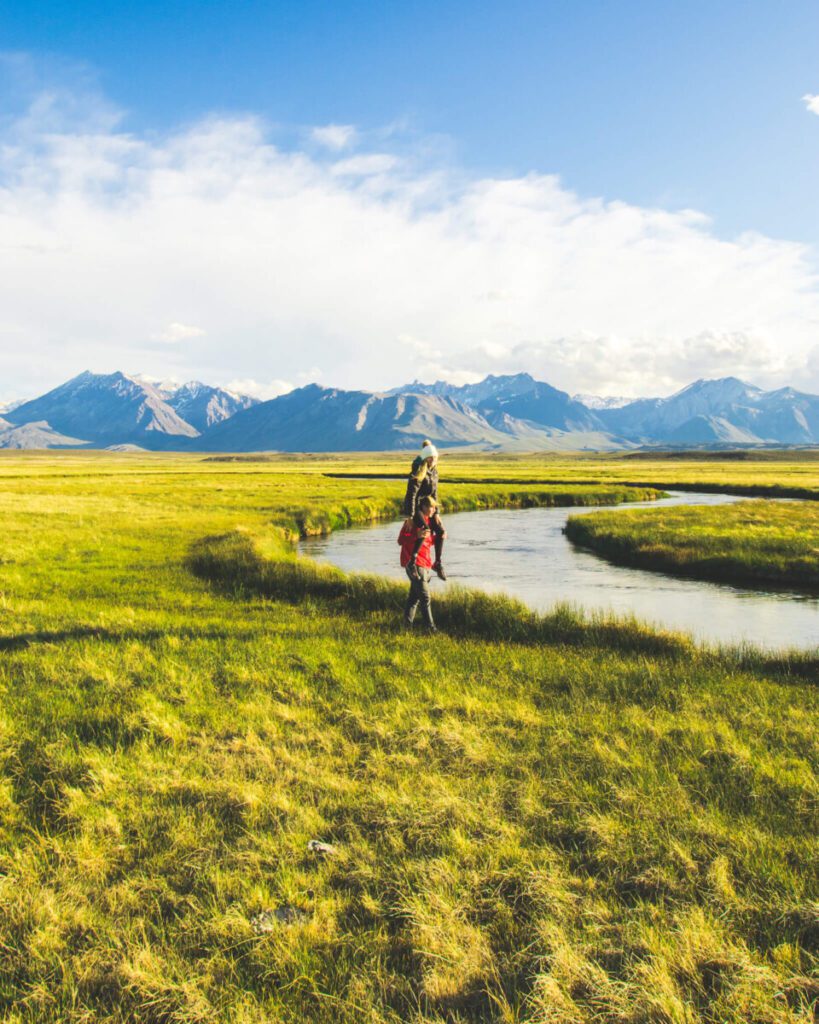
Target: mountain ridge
500 412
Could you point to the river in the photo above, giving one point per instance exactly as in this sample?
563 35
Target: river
523 552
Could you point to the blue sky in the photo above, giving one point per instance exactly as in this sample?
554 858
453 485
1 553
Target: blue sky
673 103
655 105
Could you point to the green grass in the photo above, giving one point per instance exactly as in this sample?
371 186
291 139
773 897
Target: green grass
539 819
752 541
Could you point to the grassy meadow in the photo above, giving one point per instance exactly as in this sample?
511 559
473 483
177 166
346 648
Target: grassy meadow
541 819
782 474
753 541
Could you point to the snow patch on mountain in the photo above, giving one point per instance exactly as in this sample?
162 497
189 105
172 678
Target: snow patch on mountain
602 401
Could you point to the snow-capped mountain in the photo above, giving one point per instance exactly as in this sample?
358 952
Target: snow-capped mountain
513 412
315 419
518 397
719 410
106 409
203 406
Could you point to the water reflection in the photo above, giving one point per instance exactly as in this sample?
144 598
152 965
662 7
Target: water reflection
524 552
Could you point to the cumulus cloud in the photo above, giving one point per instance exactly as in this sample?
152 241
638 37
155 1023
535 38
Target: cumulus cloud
334 136
105 234
643 365
811 102
367 163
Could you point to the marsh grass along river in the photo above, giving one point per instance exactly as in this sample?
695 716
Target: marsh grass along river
524 552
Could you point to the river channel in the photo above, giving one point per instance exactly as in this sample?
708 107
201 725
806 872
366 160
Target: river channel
523 552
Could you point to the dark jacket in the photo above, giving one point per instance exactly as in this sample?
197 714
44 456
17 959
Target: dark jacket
418 488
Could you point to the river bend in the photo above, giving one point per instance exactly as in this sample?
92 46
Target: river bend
523 552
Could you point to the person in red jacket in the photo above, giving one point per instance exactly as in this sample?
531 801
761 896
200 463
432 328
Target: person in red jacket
416 542
423 482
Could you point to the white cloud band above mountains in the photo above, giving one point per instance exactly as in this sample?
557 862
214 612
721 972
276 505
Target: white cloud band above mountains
377 268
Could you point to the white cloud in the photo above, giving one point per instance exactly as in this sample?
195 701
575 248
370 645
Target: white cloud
334 136
431 372
648 364
161 383
248 386
176 332
104 235
418 347
367 163
811 102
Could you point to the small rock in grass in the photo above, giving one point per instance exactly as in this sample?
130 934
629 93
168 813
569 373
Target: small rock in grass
269 920
323 849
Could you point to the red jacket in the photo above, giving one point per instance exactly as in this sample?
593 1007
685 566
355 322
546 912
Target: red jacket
407 538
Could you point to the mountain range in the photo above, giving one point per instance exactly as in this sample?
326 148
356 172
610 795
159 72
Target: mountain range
507 412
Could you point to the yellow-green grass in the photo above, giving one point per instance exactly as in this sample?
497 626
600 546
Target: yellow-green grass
536 819
752 541
787 474
793 474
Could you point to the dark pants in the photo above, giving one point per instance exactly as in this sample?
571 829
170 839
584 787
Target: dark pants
438 535
419 594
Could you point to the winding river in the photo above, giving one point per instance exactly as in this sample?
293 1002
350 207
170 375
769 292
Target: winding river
523 552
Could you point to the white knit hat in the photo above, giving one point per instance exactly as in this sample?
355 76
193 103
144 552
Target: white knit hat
429 450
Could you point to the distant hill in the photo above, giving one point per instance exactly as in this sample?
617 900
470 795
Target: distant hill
35 435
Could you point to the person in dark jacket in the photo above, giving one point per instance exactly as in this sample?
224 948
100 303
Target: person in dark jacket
416 558
422 483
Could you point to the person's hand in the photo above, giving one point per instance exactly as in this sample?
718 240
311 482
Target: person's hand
412 566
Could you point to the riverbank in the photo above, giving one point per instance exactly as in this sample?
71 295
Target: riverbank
526 555
756 542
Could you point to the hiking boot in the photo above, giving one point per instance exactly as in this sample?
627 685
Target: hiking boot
439 570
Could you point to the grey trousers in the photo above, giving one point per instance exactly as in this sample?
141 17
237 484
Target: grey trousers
419 594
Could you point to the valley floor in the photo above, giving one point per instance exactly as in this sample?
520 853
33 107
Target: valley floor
534 819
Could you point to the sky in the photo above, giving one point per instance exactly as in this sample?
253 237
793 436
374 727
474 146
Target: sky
615 197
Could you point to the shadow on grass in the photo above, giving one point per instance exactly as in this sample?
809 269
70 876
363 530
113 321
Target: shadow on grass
22 641
697 487
234 564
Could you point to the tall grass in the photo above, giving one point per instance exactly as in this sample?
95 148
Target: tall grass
235 561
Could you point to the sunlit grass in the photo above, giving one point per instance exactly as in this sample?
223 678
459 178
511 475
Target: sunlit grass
537 818
752 541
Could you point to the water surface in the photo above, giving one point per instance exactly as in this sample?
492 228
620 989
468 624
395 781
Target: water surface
523 552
